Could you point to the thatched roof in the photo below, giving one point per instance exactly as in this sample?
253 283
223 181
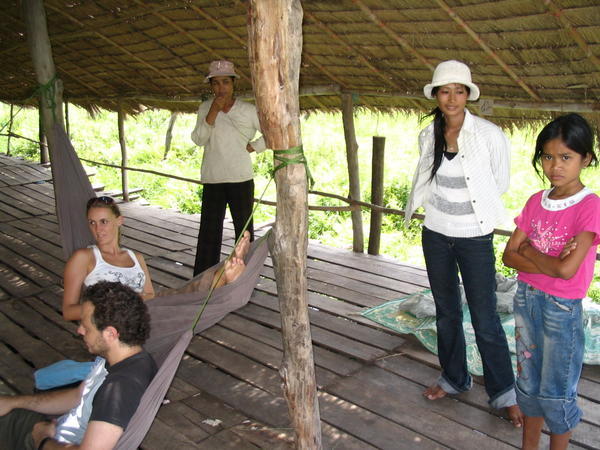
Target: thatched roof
526 55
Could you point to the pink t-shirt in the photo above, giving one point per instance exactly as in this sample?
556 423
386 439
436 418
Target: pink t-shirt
549 224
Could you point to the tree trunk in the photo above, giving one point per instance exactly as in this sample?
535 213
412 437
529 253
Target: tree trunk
353 173
275 45
169 134
51 108
43 143
67 124
10 126
377 169
123 144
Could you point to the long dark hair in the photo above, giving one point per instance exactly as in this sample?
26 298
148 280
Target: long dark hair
575 132
439 140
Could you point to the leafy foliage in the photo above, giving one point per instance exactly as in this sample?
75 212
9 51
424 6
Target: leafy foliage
324 146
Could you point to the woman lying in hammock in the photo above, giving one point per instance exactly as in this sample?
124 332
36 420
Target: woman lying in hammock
108 261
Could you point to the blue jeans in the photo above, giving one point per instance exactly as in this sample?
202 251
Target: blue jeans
550 342
474 257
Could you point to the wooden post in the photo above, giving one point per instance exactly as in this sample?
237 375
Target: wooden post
51 109
353 174
275 46
43 143
376 193
169 134
67 124
123 144
10 125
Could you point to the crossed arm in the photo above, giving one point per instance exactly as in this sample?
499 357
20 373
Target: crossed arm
521 255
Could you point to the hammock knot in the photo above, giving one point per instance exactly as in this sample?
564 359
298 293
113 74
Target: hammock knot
48 92
294 155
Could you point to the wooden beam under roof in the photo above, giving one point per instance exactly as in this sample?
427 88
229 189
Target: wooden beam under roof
336 90
120 47
486 48
566 24
391 33
87 72
353 51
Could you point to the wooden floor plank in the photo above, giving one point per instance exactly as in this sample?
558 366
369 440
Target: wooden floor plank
229 350
46 331
325 358
27 203
370 378
340 325
23 245
28 268
15 284
390 396
15 373
32 350
320 336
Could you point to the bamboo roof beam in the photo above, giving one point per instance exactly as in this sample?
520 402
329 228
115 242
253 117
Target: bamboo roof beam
362 59
185 33
88 73
486 48
75 79
391 33
352 50
566 24
219 25
120 47
335 90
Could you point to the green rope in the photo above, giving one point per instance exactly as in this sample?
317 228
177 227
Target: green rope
215 282
47 90
295 155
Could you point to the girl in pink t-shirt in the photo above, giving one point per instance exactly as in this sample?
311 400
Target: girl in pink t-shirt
554 250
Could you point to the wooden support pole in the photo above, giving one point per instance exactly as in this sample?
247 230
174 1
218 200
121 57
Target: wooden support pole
51 109
44 157
169 134
377 169
123 144
10 125
275 47
67 124
353 173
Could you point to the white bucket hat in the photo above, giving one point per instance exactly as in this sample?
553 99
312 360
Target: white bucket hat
452 71
220 68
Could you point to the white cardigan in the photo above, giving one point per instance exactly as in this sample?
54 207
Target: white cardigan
484 152
225 157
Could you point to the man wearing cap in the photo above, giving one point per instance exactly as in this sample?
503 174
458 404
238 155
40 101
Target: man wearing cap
225 128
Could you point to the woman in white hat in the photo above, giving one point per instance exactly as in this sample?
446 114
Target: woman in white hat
225 127
463 169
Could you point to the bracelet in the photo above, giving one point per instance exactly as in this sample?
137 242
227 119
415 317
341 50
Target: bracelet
43 442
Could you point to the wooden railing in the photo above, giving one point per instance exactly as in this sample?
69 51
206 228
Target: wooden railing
352 205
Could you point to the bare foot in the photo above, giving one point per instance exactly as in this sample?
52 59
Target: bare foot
515 415
434 392
232 269
242 247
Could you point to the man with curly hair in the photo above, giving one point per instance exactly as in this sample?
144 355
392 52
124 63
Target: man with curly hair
114 325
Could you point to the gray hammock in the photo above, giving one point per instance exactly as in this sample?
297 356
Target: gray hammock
173 311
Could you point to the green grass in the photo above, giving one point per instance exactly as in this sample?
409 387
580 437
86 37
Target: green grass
96 138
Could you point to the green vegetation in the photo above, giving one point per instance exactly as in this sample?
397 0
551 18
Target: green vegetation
96 138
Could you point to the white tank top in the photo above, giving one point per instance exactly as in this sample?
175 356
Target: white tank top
134 277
